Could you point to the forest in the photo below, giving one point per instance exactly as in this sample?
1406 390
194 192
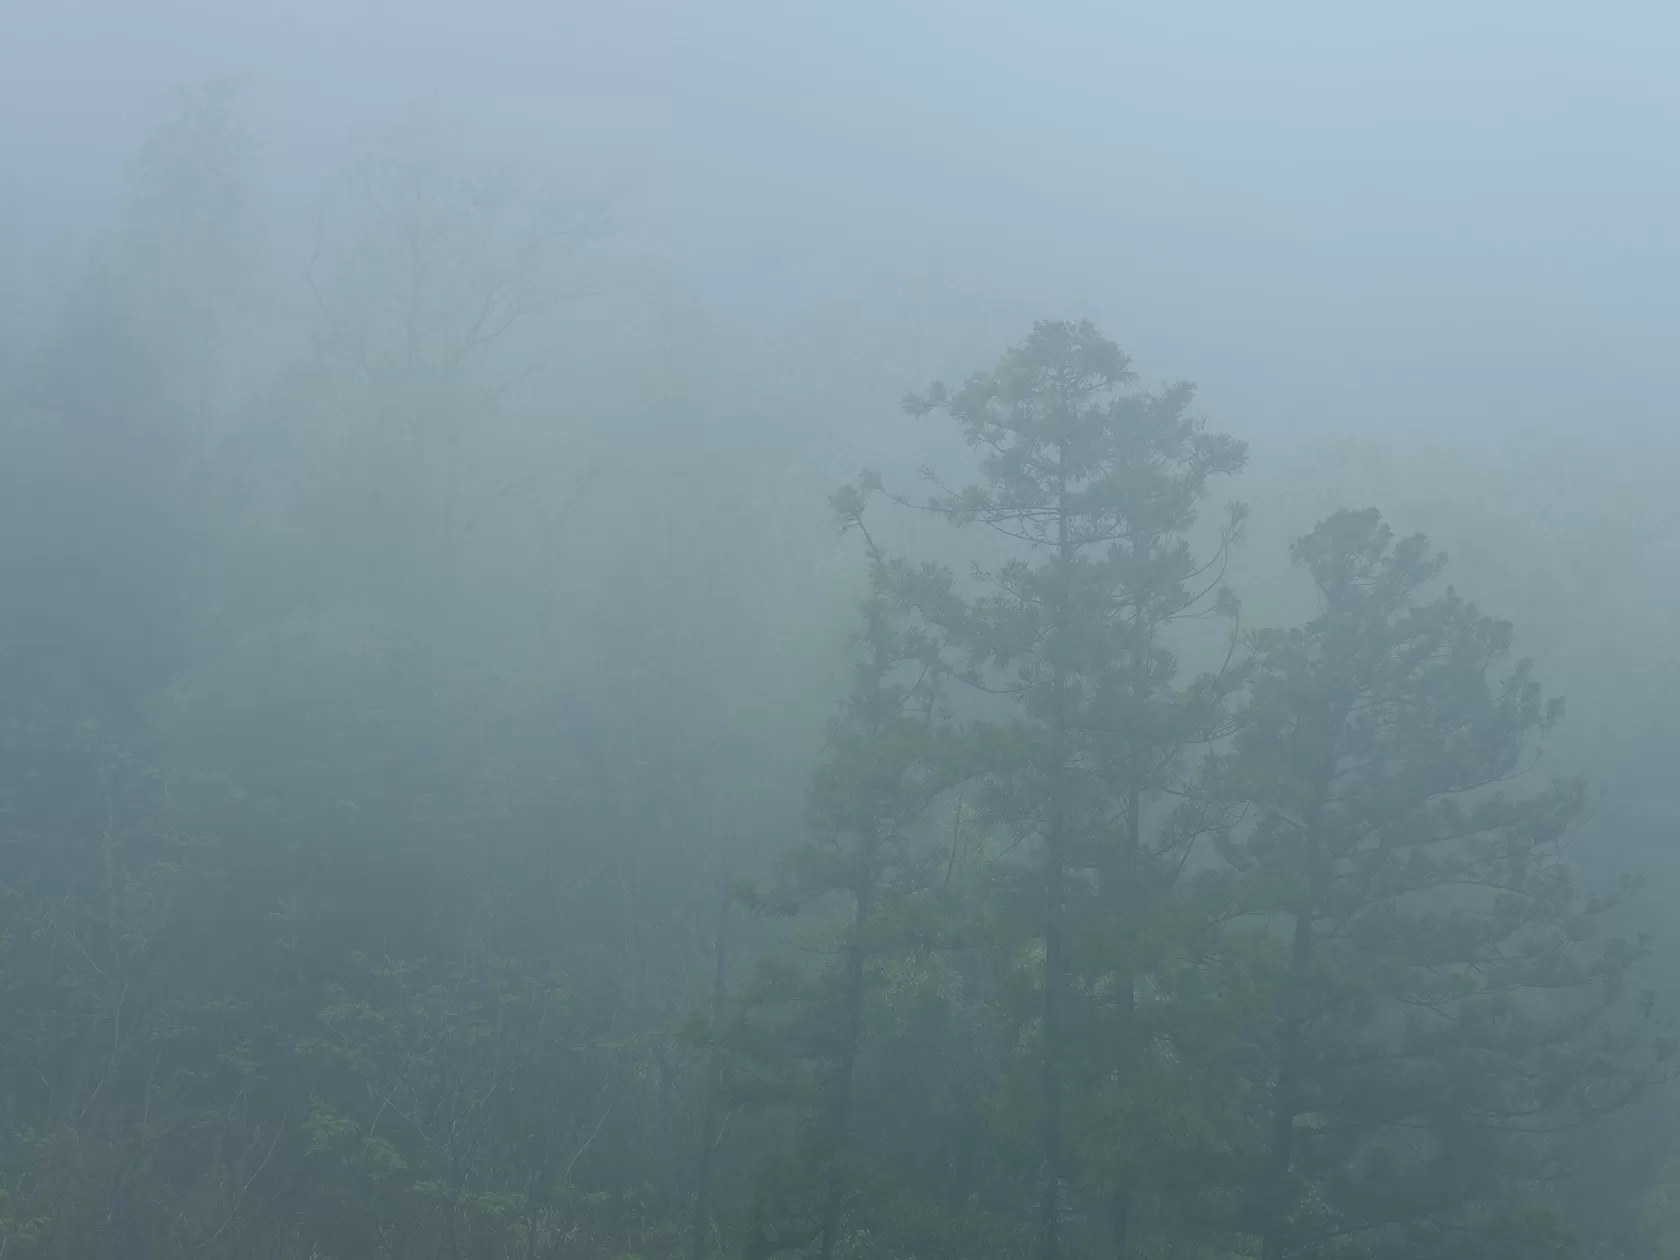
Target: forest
500 761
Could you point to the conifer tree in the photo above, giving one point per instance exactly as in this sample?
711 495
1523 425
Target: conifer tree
1440 1000
1095 488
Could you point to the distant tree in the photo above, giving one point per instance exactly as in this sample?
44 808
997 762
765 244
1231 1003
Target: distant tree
103 434
1440 999
374 458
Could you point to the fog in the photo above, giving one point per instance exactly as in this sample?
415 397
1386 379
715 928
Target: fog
1417 214
467 790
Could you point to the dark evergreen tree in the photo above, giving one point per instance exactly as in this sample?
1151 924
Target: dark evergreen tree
1441 999
1094 488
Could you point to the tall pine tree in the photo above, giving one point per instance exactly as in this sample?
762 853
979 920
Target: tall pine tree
1095 487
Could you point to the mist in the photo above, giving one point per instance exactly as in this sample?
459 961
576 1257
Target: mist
772 630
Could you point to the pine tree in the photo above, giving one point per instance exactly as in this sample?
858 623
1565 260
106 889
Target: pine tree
1095 487
1439 998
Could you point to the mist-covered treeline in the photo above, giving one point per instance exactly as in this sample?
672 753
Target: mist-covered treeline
482 773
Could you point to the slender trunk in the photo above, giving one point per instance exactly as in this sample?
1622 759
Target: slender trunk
1288 1102
708 1115
1120 1217
1051 1080
1055 862
1292 1042
1120 1202
838 1121
845 1068
452 1226
667 1077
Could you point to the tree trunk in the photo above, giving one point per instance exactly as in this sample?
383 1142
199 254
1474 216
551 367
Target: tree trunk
1055 862
1051 1080
1288 1102
1120 1205
840 1101
1291 1045
708 1115
1120 1219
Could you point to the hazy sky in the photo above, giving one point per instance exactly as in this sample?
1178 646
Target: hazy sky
1437 213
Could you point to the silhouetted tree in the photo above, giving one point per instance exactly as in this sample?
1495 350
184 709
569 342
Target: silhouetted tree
1440 997
1093 488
